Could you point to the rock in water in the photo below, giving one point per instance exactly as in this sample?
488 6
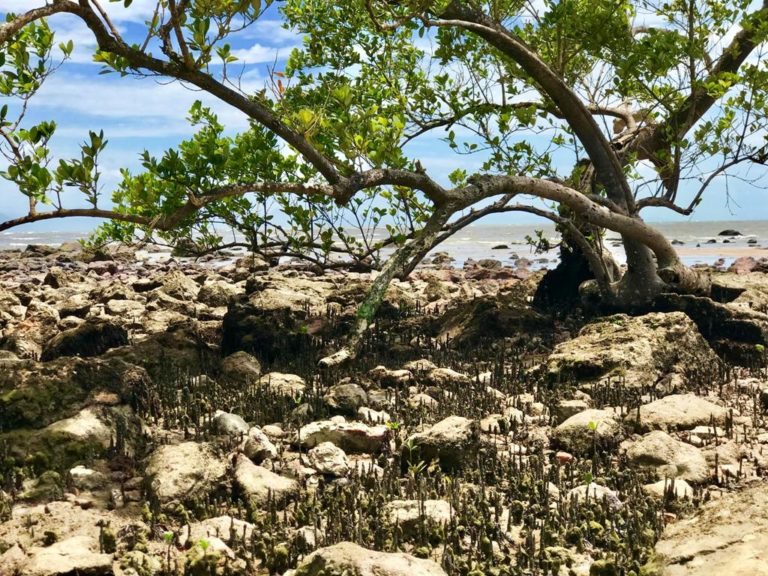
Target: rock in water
349 559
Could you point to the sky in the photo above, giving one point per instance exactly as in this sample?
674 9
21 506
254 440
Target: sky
142 113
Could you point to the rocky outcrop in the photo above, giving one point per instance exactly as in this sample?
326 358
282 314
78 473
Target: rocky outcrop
727 536
454 442
639 351
178 473
349 436
589 430
670 458
91 338
677 412
349 559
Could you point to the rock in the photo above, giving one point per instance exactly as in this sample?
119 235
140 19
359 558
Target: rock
567 408
231 424
272 318
257 446
373 416
729 232
596 493
327 458
640 350
680 488
227 528
422 400
92 338
670 457
479 320
446 377
585 430
84 426
259 484
177 285
677 412
124 308
386 377
349 559
419 366
179 472
86 479
288 384
217 293
77 555
350 437
407 514
454 442
345 398
241 367
727 536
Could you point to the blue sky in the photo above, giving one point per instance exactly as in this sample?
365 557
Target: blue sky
142 113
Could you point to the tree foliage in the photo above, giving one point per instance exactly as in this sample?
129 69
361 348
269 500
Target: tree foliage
577 103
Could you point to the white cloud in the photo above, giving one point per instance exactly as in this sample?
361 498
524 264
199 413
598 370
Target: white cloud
260 54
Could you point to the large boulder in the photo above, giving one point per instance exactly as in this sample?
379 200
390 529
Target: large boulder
348 559
273 317
489 318
77 555
670 458
91 338
241 367
677 412
640 350
349 436
177 473
727 536
258 484
454 442
587 430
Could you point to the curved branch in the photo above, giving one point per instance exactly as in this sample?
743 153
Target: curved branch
577 115
633 228
10 28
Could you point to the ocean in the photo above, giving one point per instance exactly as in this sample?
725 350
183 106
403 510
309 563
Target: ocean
696 242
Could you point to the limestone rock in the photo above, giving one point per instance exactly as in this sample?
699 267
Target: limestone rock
258 483
408 513
670 457
216 293
345 398
454 442
288 384
241 367
178 472
77 555
680 488
86 426
329 459
677 412
257 446
446 376
641 350
349 559
230 424
582 431
92 338
727 536
349 436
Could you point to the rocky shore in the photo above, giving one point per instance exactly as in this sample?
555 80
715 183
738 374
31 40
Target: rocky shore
170 419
